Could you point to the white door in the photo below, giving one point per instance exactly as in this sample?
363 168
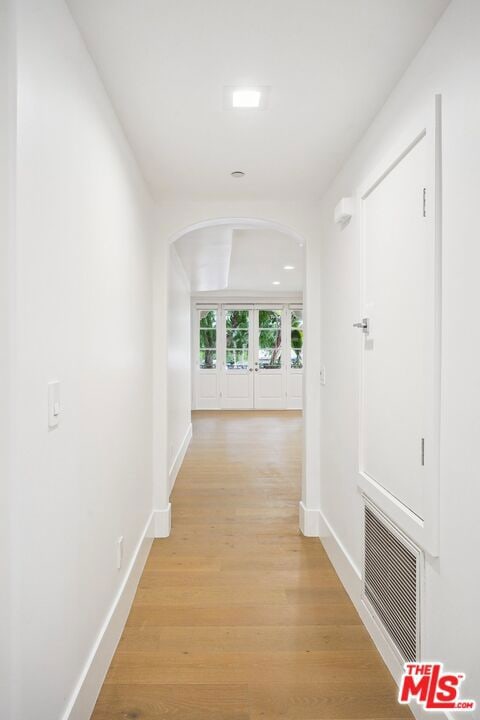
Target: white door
237 367
206 382
269 363
396 350
294 367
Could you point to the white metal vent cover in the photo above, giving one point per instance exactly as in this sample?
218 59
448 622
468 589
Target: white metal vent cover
391 582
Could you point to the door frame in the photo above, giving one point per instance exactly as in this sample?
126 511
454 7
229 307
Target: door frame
423 531
299 221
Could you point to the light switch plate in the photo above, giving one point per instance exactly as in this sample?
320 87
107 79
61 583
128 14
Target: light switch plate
323 376
53 404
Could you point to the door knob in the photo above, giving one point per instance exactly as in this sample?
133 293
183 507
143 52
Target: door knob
364 325
250 369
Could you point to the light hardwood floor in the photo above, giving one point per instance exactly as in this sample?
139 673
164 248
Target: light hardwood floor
237 616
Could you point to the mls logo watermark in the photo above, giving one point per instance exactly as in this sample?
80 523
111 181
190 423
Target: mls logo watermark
430 686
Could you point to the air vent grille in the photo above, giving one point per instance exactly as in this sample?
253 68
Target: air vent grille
391 583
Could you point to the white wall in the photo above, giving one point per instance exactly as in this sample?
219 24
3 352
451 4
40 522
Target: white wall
449 64
179 364
7 109
83 316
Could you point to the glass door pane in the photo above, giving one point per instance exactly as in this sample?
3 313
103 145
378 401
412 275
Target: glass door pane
269 353
237 339
208 340
296 339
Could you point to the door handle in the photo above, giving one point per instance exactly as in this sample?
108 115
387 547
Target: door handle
256 369
250 369
364 325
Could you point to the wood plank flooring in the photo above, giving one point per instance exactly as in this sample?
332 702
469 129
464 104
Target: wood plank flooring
237 616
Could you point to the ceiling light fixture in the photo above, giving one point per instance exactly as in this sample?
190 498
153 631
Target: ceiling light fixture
245 98
289 267
276 282
237 174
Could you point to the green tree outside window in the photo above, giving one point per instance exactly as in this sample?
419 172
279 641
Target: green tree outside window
297 339
208 339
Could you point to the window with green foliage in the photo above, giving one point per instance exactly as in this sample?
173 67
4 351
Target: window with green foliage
269 339
296 340
237 324
208 339
237 339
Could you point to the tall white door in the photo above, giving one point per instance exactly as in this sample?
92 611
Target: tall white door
269 362
206 361
294 363
237 384
397 347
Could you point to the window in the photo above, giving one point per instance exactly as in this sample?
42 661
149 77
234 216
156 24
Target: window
296 339
237 329
269 339
208 340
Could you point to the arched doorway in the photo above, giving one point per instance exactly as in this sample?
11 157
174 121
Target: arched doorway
308 502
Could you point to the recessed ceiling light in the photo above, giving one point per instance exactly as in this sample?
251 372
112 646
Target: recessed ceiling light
244 98
289 267
238 98
276 282
237 174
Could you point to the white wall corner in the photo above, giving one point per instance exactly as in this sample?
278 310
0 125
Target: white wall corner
309 520
177 463
163 521
177 262
86 692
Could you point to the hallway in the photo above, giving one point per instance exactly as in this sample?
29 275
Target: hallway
239 352
238 616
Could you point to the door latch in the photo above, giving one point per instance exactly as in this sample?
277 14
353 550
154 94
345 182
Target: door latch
364 325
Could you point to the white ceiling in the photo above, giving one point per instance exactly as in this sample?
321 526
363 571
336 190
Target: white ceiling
330 65
205 256
246 260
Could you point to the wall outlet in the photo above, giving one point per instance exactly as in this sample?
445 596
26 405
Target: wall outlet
119 552
323 376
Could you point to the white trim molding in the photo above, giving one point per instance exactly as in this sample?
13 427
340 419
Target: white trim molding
309 520
162 522
177 463
85 695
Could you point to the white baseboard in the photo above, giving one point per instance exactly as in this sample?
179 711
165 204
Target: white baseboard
88 687
345 567
351 578
177 463
309 520
162 520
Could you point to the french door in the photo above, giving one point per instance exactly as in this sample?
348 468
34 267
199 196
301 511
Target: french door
252 372
269 359
237 383
250 357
